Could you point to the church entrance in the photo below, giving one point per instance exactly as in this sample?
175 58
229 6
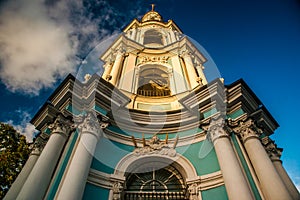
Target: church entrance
155 184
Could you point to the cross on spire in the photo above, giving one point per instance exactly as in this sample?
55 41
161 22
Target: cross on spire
152 5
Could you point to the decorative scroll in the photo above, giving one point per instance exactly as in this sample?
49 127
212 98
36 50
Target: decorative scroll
247 129
271 148
61 125
155 146
194 191
117 189
216 129
90 123
39 143
159 59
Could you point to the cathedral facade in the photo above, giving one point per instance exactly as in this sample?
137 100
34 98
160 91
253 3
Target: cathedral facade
153 127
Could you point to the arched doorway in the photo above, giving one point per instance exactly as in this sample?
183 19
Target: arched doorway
155 183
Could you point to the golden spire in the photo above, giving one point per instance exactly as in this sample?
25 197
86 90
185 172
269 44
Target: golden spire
152 5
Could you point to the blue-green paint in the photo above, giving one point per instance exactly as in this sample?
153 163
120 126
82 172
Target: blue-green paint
236 114
48 131
61 169
210 112
245 167
72 109
108 153
93 192
202 155
217 193
160 135
101 110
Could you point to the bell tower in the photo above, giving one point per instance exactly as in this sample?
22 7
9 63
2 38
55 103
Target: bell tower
152 62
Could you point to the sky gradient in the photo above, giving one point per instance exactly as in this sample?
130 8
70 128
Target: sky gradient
258 41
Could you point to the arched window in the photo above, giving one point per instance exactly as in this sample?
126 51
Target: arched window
153 37
164 183
154 81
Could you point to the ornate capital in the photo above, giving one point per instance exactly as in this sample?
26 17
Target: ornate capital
193 191
216 129
89 123
39 144
271 148
61 125
117 189
247 130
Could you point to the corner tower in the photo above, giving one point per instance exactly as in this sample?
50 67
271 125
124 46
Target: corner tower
153 63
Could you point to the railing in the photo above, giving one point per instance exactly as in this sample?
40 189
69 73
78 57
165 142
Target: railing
155 196
154 93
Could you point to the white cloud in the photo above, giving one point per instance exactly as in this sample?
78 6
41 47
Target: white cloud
35 50
40 40
24 127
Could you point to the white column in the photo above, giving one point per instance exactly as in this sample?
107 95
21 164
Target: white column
235 183
202 77
191 71
275 154
107 70
74 182
115 71
272 186
38 181
20 180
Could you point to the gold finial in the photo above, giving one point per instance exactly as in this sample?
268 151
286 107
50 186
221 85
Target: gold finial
153 5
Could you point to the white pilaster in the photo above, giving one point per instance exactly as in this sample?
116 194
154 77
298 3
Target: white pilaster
115 71
38 181
235 182
74 182
272 186
202 77
191 71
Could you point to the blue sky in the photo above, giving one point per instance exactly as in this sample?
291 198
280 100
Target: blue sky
258 41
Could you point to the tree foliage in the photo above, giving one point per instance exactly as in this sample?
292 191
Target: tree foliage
14 151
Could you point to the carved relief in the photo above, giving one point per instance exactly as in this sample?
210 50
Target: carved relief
216 129
117 189
271 148
193 191
61 125
247 129
39 143
155 146
156 59
90 123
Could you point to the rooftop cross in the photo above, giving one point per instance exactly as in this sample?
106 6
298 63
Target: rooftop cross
153 5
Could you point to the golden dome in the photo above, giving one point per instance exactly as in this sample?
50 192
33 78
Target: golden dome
152 16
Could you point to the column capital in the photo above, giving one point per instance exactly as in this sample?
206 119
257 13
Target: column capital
90 123
247 129
193 191
61 125
216 129
271 148
39 144
117 190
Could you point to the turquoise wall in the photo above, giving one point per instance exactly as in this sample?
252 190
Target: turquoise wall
217 193
202 155
108 153
93 192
